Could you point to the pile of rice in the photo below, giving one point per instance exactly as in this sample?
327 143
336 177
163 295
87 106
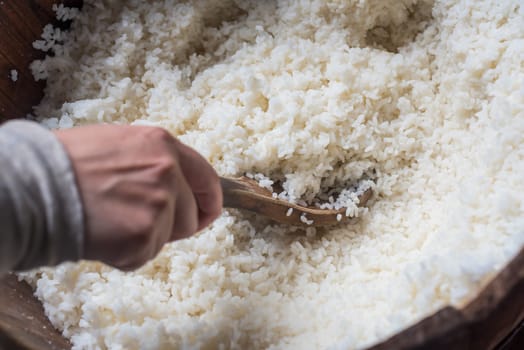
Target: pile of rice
424 96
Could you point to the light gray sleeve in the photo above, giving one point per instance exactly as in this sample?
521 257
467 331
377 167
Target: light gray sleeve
41 214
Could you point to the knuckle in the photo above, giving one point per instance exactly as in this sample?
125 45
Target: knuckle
165 167
158 134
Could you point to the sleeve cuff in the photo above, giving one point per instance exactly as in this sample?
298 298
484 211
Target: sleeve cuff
47 180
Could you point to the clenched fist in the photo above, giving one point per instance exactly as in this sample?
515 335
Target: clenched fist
140 188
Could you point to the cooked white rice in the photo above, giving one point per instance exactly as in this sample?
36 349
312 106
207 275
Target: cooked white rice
13 74
311 93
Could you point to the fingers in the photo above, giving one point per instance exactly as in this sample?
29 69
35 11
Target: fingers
203 181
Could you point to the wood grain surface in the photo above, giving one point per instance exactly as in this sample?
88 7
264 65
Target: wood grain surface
23 323
21 23
494 319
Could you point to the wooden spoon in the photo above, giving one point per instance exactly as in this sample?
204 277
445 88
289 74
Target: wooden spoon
245 193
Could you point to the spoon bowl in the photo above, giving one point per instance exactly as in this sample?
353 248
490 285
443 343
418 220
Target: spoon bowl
245 193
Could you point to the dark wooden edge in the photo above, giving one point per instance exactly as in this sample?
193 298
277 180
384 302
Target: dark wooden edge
21 23
442 330
515 341
501 303
23 324
482 324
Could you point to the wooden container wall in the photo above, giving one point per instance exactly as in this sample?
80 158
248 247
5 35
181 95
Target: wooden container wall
497 311
21 22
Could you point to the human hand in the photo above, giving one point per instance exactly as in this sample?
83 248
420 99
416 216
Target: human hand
140 188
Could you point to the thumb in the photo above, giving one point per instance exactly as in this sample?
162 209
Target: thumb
203 181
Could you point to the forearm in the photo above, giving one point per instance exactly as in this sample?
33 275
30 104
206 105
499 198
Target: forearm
41 216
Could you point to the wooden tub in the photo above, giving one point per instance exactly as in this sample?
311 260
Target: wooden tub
494 319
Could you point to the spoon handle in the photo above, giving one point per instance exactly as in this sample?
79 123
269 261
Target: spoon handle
228 192
240 194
